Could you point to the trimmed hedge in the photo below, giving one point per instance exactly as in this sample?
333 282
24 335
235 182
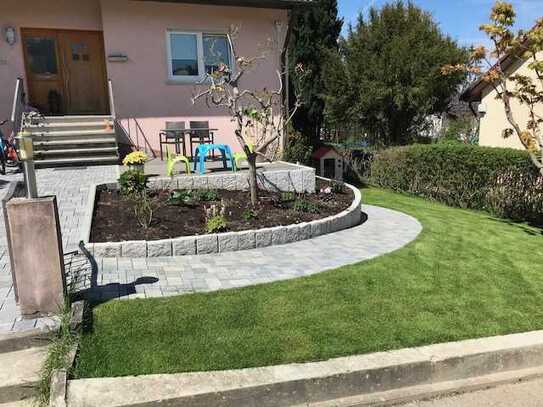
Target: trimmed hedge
501 181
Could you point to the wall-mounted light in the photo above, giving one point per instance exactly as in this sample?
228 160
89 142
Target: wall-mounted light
481 109
10 35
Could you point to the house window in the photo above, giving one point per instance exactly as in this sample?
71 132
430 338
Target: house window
193 54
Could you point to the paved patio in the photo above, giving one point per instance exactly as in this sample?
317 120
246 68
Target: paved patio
124 278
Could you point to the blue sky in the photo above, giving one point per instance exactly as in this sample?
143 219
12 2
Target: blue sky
459 18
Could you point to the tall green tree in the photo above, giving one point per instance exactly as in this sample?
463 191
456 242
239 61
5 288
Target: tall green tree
388 78
314 35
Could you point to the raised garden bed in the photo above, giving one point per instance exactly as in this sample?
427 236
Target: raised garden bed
113 218
292 208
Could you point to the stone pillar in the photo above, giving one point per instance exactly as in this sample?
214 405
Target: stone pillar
37 259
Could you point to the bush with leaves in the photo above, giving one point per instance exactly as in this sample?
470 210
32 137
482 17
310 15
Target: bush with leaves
216 218
298 148
463 175
133 182
302 205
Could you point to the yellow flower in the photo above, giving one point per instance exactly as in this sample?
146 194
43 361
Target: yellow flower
135 158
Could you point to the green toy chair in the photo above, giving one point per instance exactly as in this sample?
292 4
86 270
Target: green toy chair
241 156
172 159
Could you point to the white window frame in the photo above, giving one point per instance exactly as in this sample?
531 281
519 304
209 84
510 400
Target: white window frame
200 56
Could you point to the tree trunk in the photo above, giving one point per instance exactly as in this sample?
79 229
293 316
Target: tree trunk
251 160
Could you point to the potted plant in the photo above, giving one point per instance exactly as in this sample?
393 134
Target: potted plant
136 160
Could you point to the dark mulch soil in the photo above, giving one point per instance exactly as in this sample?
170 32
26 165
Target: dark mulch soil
114 218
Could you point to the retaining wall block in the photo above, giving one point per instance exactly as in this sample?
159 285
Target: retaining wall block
134 249
159 248
228 242
279 235
168 183
292 233
183 246
309 181
107 250
200 183
242 182
297 181
186 182
230 182
247 240
305 231
207 244
215 182
263 237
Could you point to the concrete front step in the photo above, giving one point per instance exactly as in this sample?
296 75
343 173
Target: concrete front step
76 119
20 373
14 341
75 126
78 152
70 134
77 161
57 144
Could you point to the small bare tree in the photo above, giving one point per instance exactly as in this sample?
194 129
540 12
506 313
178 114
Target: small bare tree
527 90
258 110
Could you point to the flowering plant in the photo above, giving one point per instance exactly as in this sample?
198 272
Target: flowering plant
135 158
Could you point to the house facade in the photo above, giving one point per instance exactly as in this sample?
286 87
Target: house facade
153 52
490 111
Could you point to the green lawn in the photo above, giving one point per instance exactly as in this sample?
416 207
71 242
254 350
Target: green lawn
467 275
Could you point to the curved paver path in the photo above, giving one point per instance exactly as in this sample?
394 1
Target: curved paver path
384 231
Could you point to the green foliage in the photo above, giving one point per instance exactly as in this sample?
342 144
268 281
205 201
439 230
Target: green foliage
208 195
466 276
302 205
144 208
459 131
315 33
216 224
133 182
183 198
388 78
337 187
460 175
298 149
287 197
249 214
517 195
58 354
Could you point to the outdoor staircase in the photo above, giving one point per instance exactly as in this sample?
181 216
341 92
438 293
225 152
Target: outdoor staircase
21 359
74 141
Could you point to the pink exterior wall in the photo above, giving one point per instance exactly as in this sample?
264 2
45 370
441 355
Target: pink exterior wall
61 14
138 30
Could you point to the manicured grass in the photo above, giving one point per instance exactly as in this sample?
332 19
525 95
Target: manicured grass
467 275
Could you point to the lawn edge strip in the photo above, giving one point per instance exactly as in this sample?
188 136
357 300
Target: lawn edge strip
314 382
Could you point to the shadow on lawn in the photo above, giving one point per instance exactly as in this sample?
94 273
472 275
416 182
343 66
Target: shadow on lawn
99 294
528 228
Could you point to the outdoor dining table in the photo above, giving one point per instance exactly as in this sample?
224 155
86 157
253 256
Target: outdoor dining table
180 134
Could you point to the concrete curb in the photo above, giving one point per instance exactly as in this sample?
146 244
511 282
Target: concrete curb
224 242
319 382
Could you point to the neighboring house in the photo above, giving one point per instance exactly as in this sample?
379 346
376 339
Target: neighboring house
154 53
490 111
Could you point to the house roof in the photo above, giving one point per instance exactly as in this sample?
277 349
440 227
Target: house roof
279 4
322 151
473 93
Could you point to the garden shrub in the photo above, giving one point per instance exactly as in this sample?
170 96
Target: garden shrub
133 182
502 181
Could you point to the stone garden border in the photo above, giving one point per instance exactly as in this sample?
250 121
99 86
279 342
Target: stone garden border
301 179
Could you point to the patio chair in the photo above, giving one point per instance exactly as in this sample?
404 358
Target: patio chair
173 134
241 156
203 136
172 159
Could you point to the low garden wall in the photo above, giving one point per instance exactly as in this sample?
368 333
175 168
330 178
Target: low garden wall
301 179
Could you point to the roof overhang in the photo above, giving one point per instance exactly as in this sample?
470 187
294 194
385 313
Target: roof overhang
275 4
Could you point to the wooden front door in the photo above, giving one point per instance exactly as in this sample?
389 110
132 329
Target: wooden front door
65 71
